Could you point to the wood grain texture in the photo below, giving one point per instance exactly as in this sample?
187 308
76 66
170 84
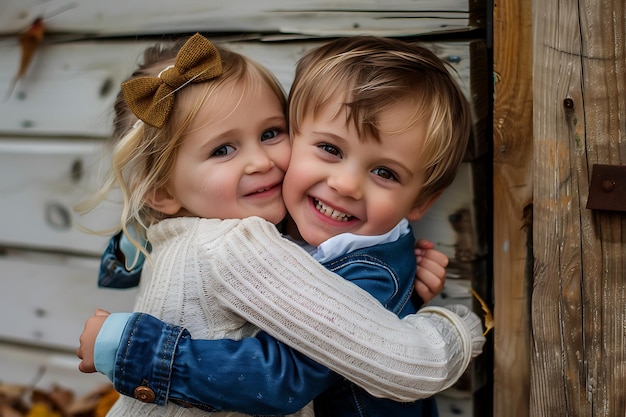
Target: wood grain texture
312 17
512 188
70 87
47 299
578 298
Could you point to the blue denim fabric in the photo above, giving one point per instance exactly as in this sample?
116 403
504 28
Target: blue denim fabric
113 273
394 290
261 376
255 375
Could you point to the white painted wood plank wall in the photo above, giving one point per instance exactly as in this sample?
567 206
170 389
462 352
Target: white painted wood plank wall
54 124
70 88
312 17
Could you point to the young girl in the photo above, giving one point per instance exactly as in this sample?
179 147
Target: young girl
220 152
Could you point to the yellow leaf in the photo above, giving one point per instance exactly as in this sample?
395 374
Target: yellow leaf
42 410
489 323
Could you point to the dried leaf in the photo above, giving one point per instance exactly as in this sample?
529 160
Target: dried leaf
489 323
7 411
88 404
28 401
43 410
12 399
11 391
61 397
106 402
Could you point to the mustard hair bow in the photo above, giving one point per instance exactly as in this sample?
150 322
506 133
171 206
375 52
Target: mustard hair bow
151 98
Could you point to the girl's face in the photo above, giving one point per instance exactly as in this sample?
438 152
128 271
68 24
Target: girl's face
232 163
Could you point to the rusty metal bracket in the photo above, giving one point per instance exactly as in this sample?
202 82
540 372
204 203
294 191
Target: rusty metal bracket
607 190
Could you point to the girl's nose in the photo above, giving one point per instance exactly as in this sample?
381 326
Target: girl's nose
259 162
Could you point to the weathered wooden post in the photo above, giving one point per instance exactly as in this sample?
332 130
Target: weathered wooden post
578 365
512 188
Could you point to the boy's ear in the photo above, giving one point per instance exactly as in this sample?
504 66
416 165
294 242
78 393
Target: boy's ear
417 212
162 201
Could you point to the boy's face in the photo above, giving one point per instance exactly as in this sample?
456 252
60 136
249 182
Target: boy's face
233 161
337 183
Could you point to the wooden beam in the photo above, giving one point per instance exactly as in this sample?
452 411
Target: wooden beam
512 187
578 359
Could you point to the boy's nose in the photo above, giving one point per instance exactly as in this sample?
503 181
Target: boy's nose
346 184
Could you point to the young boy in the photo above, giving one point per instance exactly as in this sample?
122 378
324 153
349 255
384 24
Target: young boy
378 130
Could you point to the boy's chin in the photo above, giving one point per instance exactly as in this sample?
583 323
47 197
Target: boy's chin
313 238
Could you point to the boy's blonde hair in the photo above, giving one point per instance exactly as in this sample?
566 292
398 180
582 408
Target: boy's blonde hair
371 75
143 157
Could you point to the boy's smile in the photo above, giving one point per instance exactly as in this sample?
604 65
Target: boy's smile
330 212
339 183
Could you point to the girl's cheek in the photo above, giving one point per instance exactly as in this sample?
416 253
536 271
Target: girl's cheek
286 159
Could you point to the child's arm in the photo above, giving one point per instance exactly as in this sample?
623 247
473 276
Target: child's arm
431 270
252 376
273 283
255 375
434 317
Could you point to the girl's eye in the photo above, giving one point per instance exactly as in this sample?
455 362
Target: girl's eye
385 174
270 134
223 150
333 150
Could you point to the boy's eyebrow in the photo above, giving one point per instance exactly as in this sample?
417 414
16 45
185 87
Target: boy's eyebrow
409 173
332 135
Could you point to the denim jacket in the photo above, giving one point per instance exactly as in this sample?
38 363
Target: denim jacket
112 272
262 376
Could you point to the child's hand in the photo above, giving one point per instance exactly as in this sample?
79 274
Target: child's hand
88 340
431 270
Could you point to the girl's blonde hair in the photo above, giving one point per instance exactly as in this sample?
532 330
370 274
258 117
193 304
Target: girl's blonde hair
142 156
372 74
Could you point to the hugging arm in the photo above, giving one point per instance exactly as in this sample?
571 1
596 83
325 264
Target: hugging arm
263 376
256 375
275 285
182 358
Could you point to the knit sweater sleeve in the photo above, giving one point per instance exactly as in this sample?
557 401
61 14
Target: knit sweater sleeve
274 284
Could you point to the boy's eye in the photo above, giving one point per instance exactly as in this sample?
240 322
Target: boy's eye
333 150
385 174
223 150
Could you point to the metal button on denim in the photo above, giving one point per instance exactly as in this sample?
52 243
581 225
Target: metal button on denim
144 394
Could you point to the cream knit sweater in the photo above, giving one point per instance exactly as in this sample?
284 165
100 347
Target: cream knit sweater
223 278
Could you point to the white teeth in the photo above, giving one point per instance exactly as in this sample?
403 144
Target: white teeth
332 213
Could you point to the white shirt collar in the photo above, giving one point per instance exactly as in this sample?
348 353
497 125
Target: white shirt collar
348 242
